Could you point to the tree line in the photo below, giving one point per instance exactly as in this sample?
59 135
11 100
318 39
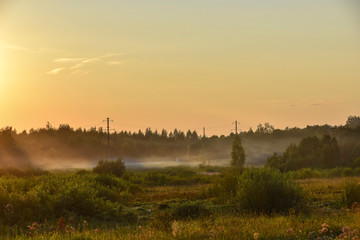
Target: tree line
66 142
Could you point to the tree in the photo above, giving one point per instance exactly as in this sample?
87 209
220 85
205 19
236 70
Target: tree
237 153
353 122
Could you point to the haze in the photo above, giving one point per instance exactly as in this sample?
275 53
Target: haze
179 64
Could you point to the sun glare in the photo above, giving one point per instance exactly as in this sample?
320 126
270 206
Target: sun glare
1 69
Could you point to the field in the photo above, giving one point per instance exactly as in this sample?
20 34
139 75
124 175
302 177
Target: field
170 203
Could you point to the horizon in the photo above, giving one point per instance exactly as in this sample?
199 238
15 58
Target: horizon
198 130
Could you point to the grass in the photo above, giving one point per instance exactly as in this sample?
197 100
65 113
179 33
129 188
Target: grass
156 210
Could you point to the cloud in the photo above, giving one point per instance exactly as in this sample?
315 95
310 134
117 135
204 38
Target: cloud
91 60
55 71
67 60
5 45
79 64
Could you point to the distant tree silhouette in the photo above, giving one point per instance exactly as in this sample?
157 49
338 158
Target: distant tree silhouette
237 153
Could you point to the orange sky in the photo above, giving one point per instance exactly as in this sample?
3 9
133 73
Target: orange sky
179 64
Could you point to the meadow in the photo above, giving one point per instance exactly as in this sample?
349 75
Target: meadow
205 202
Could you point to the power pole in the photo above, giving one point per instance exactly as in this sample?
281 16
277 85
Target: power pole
236 128
204 132
108 130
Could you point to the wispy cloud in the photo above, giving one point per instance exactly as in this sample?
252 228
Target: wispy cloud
79 64
67 60
55 71
15 47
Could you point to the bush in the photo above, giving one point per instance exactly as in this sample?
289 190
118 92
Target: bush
335 172
347 172
357 171
266 190
155 178
191 209
351 193
116 168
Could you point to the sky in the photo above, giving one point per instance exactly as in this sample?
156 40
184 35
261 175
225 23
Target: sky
183 64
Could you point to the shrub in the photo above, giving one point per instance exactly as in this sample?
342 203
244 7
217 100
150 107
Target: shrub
351 193
153 178
357 171
266 190
335 172
347 172
191 209
116 168
110 181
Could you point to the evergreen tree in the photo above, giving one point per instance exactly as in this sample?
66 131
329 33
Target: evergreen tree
237 153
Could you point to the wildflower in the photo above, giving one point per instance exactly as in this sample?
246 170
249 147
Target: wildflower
323 230
290 231
96 230
346 230
325 225
33 228
256 235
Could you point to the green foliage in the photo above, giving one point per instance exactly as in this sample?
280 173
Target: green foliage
116 167
353 122
311 152
351 193
266 190
347 172
172 176
237 153
190 209
53 195
224 188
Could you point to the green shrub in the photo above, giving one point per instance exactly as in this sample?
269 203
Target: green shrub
155 177
190 209
110 181
335 172
116 168
266 190
351 193
347 172
357 171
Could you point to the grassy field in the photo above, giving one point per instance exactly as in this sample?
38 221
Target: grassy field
171 203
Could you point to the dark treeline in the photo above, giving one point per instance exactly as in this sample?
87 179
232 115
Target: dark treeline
65 142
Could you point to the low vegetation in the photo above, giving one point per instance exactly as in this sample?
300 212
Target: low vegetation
179 203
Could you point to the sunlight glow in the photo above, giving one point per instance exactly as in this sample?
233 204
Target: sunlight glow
2 69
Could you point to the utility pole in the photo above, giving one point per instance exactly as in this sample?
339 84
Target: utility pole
108 130
236 128
204 132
